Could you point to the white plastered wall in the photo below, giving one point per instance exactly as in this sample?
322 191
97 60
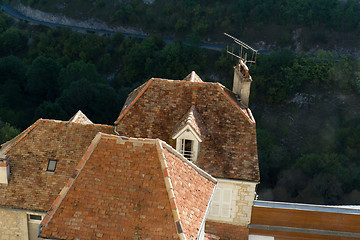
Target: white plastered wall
242 198
14 224
4 175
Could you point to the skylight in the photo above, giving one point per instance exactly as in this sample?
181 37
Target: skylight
51 165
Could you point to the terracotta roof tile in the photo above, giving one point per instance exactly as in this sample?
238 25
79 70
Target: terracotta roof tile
30 186
191 192
229 149
126 188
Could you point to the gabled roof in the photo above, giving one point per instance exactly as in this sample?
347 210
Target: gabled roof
193 119
30 186
124 188
80 117
229 149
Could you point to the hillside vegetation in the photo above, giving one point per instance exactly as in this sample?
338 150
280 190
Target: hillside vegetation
306 105
300 25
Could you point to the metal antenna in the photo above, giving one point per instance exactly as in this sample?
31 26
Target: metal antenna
243 52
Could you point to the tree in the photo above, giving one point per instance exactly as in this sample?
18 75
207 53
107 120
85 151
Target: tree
50 110
13 69
78 70
98 100
7 132
12 41
42 79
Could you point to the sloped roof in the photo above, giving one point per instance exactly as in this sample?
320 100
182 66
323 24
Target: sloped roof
192 118
80 117
124 188
229 149
30 186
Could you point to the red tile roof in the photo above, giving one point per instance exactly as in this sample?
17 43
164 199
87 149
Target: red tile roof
125 188
30 186
229 149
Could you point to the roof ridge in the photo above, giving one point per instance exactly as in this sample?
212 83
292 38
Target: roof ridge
185 81
126 108
164 144
71 181
249 117
67 122
21 136
144 87
186 161
170 191
193 119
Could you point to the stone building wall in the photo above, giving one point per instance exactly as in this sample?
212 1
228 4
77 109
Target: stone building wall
14 224
242 198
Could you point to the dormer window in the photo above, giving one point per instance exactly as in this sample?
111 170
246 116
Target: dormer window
187 149
189 132
51 165
188 143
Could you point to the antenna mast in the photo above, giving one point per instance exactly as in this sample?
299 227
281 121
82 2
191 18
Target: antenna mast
243 51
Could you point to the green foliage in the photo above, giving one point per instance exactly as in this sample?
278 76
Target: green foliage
50 110
271 74
42 79
7 132
12 41
13 68
97 100
78 70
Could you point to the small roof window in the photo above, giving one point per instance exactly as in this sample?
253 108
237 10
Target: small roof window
32 217
51 165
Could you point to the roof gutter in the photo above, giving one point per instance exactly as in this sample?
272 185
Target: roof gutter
116 131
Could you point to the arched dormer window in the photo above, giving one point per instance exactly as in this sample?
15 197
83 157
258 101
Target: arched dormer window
189 132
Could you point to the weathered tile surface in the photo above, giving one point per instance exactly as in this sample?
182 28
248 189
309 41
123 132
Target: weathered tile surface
228 151
30 186
119 192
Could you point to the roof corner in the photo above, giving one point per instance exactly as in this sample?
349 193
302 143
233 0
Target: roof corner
132 98
5 147
243 109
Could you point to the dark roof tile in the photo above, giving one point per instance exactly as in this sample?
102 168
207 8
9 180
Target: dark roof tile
30 186
230 148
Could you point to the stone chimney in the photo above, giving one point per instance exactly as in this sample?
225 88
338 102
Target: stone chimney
242 83
4 170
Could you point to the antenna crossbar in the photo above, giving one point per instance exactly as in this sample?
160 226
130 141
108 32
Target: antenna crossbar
241 43
243 55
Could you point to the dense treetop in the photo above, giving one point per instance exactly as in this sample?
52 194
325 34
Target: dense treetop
321 22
